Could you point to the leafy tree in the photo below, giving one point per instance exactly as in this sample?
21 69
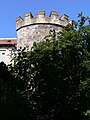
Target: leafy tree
53 79
13 101
7 93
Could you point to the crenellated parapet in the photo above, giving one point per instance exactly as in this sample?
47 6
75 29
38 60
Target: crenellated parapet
41 18
34 29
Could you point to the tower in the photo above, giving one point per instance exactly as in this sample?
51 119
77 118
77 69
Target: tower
34 29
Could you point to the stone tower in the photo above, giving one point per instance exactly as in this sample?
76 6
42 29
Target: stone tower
33 29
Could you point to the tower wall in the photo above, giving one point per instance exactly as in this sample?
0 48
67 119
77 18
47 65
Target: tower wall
34 29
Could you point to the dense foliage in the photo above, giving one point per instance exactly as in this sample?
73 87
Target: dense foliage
52 80
7 93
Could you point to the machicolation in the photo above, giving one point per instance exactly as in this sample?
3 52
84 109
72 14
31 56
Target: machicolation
33 29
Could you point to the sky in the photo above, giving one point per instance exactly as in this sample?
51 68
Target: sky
11 9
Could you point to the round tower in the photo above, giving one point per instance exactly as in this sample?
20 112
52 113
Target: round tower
34 29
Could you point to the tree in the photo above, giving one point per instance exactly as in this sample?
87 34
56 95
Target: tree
7 93
54 77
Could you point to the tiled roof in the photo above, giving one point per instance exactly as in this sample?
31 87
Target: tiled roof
8 41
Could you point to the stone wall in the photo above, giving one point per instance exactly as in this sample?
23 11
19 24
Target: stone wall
34 29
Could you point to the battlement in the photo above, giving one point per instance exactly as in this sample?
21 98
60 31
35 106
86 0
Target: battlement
41 18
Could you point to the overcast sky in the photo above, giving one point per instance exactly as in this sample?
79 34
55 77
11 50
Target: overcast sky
11 9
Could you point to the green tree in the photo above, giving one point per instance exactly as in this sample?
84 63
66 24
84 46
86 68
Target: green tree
54 77
7 93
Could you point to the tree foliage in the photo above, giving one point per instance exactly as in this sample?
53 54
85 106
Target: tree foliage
52 80
7 93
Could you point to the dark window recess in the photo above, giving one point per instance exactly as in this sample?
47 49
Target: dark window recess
3 53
